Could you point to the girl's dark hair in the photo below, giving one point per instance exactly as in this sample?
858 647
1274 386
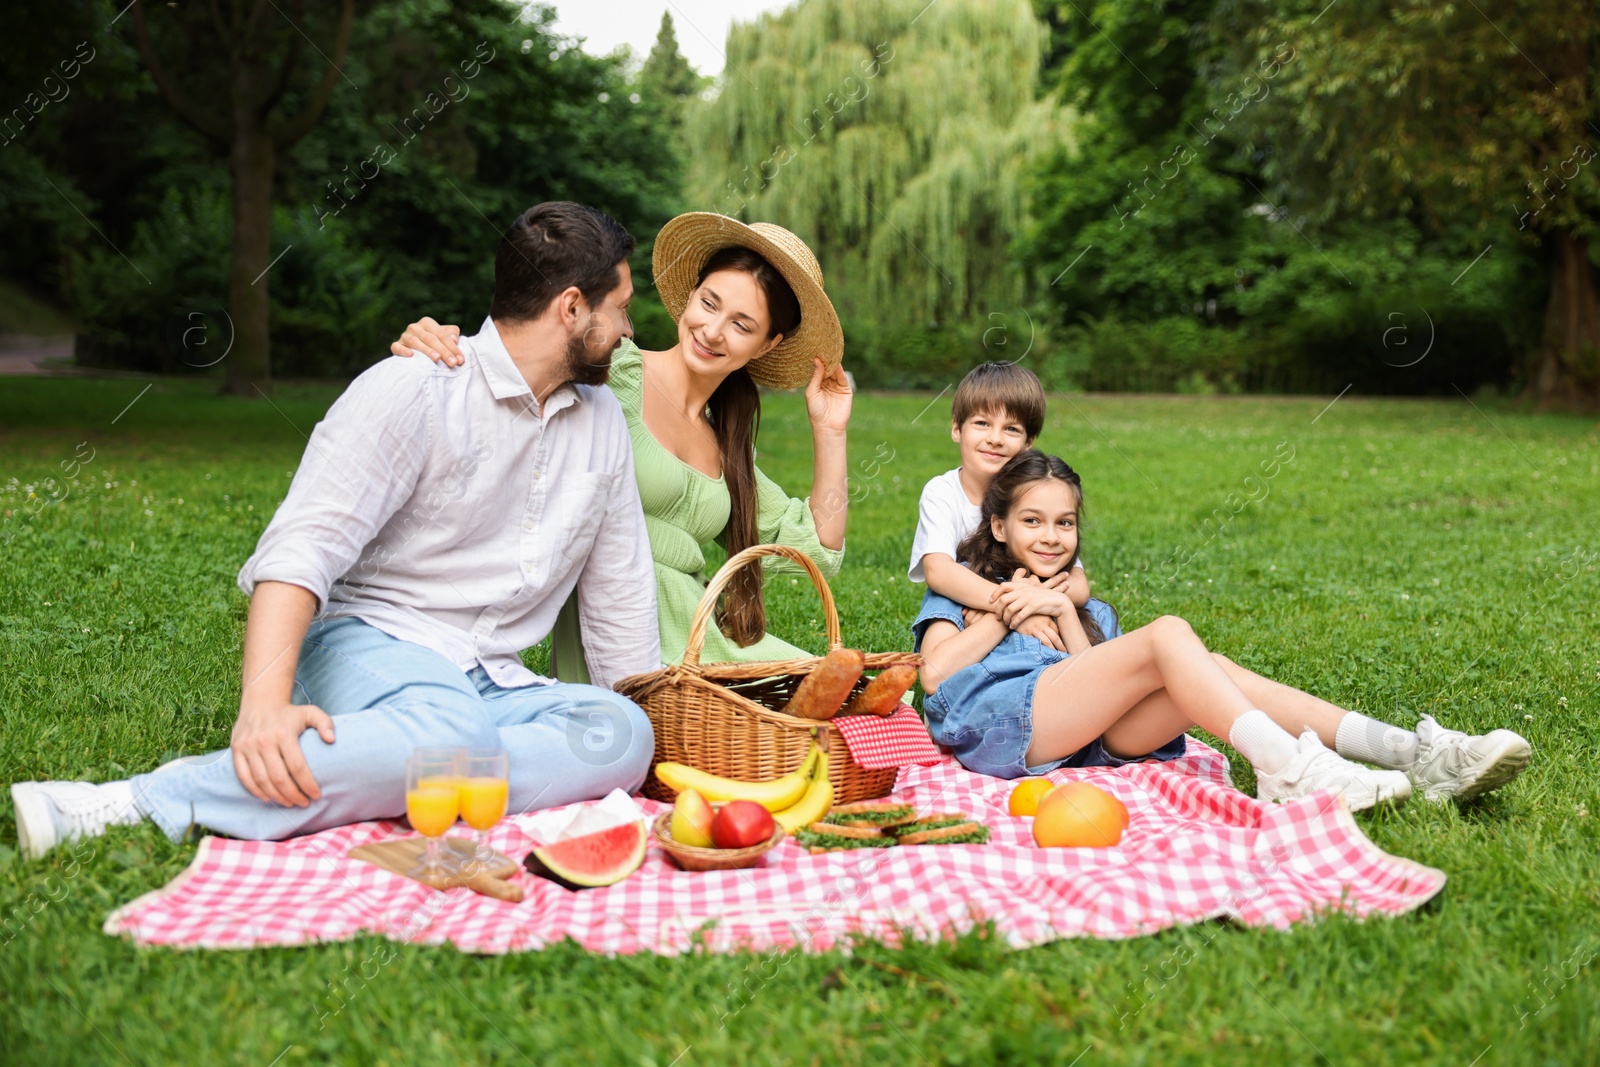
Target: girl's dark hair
734 412
992 559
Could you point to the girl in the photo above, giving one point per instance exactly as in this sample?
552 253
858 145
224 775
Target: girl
1010 706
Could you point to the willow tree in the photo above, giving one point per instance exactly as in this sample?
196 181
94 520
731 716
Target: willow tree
892 136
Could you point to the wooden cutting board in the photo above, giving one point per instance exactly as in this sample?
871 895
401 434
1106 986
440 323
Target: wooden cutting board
403 853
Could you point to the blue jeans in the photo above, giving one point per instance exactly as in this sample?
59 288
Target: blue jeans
386 697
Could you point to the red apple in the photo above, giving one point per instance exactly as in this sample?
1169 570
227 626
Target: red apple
740 824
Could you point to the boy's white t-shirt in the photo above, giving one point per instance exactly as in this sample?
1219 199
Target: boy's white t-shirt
945 518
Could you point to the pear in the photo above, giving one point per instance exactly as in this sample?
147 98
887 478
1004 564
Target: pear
691 819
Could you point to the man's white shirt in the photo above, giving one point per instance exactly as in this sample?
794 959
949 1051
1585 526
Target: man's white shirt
443 507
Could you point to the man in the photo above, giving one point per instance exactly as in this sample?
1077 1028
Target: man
439 519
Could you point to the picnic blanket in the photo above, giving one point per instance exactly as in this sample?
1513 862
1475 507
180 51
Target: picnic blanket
1196 848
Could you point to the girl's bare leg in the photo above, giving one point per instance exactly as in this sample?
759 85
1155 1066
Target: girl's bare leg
1285 705
1108 689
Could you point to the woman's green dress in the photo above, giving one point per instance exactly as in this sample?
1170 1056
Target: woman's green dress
684 510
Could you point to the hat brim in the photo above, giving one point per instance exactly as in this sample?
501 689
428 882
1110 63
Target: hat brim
681 250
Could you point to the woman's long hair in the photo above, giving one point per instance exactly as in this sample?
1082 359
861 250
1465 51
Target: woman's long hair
992 559
734 412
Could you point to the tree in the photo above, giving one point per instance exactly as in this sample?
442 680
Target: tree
893 137
1174 261
665 71
392 203
667 89
1449 113
1153 211
240 72
51 57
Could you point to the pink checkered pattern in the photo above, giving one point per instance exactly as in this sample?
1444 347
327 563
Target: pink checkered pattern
888 741
1195 849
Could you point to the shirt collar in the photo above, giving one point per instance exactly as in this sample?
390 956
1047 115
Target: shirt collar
505 380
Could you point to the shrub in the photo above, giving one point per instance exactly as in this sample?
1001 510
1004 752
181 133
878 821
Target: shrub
163 308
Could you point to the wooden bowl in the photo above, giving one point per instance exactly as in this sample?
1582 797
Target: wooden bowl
695 858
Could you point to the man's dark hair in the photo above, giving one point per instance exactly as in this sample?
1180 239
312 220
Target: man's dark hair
552 246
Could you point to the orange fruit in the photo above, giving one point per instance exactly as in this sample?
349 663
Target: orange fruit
1025 797
1079 815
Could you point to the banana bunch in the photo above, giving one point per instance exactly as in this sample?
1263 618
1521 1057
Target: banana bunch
797 799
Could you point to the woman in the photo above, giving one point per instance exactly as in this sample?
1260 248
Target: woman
750 309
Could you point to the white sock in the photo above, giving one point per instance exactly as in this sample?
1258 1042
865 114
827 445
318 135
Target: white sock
121 795
1268 746
1371 741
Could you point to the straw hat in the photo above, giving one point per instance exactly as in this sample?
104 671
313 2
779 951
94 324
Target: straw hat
684 245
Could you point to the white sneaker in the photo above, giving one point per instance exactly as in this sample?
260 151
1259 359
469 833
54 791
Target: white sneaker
1453 764
1316 767
49 813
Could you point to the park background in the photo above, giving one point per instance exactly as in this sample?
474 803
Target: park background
1347 243
1197 196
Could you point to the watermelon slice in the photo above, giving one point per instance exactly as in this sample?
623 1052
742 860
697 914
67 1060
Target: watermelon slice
602 858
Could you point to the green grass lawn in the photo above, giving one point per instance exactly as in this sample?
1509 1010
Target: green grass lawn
1413 556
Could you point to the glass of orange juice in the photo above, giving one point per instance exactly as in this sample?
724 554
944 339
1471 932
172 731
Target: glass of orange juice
433 802
485 785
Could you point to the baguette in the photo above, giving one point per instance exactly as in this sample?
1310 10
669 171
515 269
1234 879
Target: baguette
822 692
882 694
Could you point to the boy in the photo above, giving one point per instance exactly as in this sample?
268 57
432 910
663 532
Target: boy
997 412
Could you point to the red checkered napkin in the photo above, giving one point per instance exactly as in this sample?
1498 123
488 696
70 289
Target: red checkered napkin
896 740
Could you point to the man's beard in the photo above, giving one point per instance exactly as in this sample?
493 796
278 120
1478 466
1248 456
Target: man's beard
584 367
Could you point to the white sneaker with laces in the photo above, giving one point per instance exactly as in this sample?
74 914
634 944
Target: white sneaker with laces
1453 764
1316 767
49 813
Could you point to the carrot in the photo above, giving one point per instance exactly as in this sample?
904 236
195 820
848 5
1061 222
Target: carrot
882 694
821 692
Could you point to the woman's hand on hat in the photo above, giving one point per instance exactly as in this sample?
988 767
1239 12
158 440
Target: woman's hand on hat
428 338
828 397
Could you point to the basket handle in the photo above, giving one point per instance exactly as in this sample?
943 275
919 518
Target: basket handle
708 603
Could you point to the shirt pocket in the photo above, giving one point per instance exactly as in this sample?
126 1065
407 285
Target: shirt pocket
581 504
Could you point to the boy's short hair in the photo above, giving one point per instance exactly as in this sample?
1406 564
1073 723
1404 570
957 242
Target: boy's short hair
1001 386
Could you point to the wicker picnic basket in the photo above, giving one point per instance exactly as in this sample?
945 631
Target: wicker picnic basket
723 718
